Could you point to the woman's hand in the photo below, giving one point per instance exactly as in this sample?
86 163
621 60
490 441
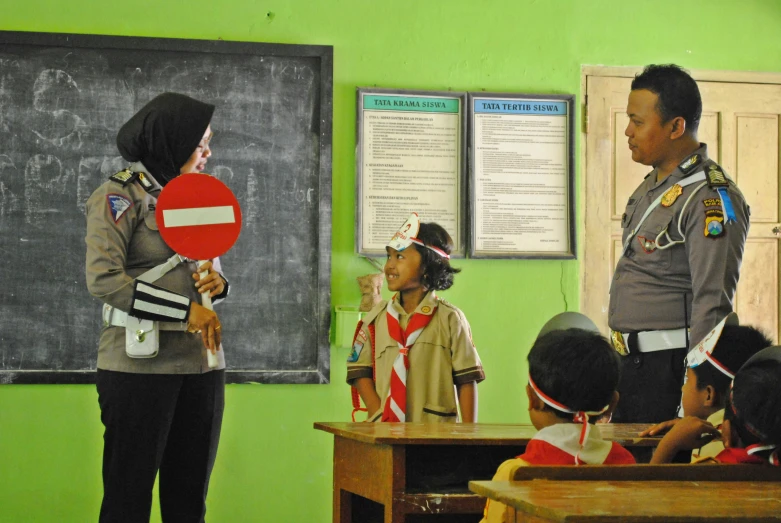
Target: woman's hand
205 322
212 282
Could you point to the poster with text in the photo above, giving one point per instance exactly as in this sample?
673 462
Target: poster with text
521 187
410 158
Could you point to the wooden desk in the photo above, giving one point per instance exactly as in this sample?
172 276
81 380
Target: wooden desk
539 500
419 469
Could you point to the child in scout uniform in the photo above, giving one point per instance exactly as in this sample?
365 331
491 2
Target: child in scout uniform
711 367
751 431
413 354
573 376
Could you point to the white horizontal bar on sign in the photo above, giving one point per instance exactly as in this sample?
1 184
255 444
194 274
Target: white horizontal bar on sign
198 216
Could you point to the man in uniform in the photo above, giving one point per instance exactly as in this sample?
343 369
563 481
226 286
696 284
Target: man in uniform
684 230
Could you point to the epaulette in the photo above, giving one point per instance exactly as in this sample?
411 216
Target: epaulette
124 178
716 177
372 314
688 165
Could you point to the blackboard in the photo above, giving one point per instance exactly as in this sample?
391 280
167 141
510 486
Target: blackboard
63 98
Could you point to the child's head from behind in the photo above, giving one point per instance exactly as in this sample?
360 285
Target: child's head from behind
708 383
754 410
575 368
426 265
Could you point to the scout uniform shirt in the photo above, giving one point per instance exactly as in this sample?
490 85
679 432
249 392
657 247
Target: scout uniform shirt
650 281
443 356
557 445
123 242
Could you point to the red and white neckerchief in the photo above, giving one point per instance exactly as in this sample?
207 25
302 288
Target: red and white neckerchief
760 447
579 416
396 402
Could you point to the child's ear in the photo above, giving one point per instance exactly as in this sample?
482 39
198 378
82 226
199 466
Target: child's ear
710 397
608 414
535 403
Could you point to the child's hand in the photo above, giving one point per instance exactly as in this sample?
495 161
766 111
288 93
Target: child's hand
692 433
660 427
687 434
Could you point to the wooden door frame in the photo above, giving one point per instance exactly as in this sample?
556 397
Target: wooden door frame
705 75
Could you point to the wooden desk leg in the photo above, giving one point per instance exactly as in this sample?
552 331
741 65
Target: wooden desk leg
343 506
375 472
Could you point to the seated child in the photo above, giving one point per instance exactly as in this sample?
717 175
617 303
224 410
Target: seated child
711 367
751 431
752 422
411 354
573 376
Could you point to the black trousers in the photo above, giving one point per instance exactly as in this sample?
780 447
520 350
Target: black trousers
650 392
158 422
650 386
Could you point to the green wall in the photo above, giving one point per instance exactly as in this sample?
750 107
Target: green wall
272 466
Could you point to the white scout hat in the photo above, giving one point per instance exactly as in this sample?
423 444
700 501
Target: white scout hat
703 351
407 235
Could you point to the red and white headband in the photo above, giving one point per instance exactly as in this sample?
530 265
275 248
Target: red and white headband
407 235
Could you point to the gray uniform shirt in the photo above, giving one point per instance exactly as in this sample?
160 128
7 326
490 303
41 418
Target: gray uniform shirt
649 284
119 251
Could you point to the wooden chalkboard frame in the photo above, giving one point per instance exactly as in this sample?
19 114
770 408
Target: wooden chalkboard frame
320 374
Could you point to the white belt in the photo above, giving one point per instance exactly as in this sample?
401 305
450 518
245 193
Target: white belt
652 341
118 318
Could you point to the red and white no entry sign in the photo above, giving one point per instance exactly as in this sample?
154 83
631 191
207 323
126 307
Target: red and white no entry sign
198 216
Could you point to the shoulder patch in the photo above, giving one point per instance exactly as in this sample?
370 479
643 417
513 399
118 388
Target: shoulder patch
714 223
690 163
712 202
124 178
716 177
118 205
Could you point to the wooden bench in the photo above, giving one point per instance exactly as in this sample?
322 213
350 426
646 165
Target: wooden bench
674 472
578 501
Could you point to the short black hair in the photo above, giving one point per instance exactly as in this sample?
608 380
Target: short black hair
736 345
677 91
437 272
575 367
756 398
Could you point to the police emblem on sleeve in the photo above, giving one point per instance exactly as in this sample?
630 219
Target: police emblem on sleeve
714 223
118 205
671 195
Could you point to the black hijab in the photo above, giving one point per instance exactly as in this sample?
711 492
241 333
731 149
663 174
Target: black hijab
164 134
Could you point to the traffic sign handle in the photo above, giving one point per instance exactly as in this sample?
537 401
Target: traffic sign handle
206 301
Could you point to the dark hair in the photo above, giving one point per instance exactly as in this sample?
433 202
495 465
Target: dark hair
437 272
735 346
756 398
677 91
575 367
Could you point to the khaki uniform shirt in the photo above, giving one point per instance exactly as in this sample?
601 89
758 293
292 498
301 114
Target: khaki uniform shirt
117 252
443 356
649 284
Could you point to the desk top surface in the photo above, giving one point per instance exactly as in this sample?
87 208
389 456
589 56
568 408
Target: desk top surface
469 433
653 501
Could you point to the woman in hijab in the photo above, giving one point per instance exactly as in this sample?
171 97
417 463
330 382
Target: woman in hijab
160 403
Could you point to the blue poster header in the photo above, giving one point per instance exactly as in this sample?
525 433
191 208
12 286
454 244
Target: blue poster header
518 106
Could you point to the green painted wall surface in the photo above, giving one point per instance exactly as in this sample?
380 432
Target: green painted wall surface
272 466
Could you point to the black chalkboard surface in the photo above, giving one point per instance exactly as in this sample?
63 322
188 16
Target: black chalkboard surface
62 100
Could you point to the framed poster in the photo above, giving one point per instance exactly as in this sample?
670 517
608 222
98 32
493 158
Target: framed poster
522 190
410 157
